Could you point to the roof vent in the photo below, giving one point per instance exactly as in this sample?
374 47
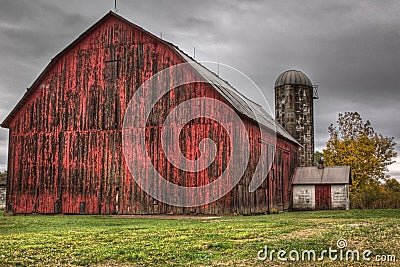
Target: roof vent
321 163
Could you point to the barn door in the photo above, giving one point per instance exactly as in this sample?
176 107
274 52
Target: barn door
286 180
322 197
279 179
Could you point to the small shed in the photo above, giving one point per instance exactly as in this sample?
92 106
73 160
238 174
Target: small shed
3 184
321 188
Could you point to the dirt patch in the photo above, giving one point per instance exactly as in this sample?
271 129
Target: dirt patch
305 233
166 216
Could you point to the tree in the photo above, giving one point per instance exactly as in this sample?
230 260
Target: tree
393 185
355 143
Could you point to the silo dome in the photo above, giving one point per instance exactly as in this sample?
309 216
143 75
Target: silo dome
293 77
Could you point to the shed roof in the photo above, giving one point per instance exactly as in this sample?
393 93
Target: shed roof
241 103
327 175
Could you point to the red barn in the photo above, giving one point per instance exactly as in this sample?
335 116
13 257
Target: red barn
65 134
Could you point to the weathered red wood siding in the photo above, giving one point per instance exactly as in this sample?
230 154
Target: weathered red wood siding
65 152
323 197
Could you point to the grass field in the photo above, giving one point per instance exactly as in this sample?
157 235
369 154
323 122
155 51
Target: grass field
177 241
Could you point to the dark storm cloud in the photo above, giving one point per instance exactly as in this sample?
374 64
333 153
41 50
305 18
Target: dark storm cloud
32 32
351 49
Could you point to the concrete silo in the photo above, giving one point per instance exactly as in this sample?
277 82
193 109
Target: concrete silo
294 96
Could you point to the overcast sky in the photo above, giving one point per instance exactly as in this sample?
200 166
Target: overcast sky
351 49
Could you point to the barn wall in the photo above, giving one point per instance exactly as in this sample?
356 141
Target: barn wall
280 178
66 142
340 196
303 197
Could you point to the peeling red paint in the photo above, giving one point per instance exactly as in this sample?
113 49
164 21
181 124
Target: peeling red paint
65 152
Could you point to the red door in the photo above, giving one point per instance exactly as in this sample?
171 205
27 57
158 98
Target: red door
322 197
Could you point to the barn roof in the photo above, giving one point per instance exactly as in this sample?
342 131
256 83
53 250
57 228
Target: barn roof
327 175
242 104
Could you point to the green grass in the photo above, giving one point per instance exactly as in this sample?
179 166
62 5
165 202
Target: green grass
227 241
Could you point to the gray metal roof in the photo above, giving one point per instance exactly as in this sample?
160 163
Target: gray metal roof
293 77
327 175
241 103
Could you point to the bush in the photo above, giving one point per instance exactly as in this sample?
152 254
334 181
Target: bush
377 197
